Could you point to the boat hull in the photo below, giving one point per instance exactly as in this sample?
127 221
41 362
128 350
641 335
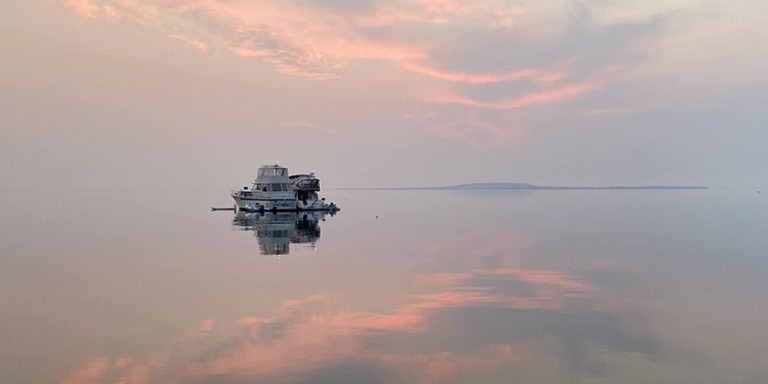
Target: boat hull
280 205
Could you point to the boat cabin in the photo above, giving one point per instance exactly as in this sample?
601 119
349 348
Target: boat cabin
272 178
306 187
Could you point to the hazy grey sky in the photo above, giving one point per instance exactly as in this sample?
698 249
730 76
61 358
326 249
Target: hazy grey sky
199 93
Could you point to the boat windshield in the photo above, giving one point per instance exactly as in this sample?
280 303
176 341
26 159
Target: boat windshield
273 171
273 187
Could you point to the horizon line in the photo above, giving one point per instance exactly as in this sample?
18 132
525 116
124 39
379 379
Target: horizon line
525 186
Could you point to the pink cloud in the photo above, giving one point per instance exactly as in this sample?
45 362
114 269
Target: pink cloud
560 94
493 14
310 41
441 367
298 41
190 41
480 78
84 8
112 13
317 42
203 329
90 373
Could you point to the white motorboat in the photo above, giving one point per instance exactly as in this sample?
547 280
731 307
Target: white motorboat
275 190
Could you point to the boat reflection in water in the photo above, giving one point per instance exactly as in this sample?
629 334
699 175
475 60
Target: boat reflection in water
277 230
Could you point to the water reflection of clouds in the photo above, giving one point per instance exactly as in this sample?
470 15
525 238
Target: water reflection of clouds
481 323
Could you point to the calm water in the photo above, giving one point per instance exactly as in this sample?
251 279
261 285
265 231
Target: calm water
137 286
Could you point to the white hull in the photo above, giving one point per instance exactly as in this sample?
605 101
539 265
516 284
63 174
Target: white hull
268 205
281 205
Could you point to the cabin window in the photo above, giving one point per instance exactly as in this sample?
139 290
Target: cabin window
273 187
278 187
272 172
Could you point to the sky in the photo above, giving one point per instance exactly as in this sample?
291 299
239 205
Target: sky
199 93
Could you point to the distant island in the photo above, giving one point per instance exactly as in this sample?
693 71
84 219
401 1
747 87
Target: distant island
523 187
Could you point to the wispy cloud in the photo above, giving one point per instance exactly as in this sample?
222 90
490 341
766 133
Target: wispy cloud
469 50
492 14
203 329
557 95
84 8
191 41
92 372
533 74
311 41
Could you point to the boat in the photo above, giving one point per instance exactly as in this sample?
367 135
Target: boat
274 190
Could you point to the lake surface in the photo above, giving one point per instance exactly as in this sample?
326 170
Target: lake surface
149 286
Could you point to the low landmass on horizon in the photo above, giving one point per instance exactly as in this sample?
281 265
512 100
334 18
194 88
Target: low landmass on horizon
528 187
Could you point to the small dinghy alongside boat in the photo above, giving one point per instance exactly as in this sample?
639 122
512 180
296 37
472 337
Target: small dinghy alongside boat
274 190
